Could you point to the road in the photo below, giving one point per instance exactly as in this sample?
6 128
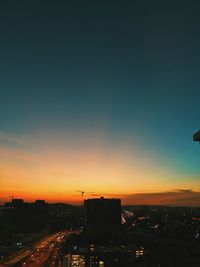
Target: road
45 253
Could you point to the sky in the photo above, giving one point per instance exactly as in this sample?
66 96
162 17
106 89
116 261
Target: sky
101 97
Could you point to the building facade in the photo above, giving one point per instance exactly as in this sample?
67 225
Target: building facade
102 216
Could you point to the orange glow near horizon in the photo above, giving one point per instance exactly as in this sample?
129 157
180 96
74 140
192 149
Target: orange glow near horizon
50 168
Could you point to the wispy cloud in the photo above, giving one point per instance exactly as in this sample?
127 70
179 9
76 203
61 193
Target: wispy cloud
56 162
178 197
12 138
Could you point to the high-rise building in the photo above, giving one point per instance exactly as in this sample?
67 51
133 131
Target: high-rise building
102 216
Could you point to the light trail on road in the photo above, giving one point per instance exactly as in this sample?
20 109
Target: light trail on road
46 253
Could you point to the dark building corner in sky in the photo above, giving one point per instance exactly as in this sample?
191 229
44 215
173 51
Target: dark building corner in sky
196 136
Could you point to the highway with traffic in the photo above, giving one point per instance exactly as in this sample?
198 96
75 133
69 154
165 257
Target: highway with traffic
46 253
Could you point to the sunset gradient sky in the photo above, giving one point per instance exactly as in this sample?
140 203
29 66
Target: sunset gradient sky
101 97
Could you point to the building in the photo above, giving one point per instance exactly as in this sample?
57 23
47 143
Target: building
101 256
196 136
5 234
102 216
26 217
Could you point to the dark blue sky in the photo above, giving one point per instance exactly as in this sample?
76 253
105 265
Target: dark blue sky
129 67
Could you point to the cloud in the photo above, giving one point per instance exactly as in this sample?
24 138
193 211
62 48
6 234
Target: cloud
45 161
12 139
178 197
184 190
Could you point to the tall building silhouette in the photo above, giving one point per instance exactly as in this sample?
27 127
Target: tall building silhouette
102 216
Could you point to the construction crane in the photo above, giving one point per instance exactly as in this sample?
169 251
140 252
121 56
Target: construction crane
11 197
82 194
